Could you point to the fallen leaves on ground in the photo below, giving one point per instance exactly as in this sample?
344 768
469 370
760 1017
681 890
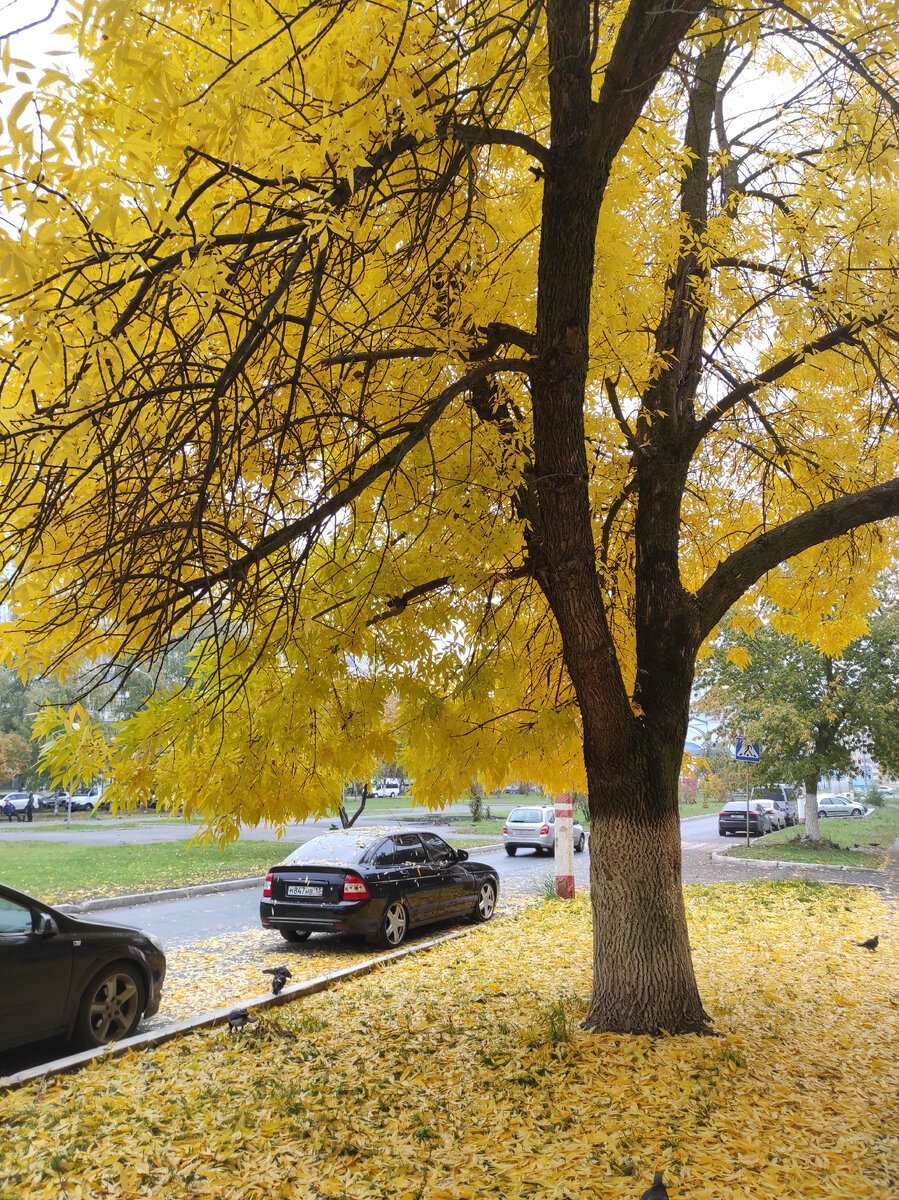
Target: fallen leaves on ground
464 1073
225 970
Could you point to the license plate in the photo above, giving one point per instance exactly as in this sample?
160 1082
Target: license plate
303 890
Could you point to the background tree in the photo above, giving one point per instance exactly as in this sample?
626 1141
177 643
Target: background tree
481 354
809 710
15 755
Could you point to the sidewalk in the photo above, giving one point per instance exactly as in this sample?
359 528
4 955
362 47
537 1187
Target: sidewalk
701 864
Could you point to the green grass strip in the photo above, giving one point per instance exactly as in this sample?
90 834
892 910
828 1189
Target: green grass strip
864 843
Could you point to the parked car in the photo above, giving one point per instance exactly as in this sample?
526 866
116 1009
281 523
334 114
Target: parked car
840 806
379 883
88 982
535 826
776 815
85 800
389 787
732 819
784 797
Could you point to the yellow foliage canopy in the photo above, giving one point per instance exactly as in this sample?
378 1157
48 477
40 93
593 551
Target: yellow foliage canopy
271 331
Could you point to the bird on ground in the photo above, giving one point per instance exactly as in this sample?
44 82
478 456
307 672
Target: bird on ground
280 976
658 1191
239 1019
870 943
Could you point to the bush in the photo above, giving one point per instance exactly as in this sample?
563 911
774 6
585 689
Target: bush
874 796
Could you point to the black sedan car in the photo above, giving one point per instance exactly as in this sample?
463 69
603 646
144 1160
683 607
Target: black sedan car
732 818
62 976
379 883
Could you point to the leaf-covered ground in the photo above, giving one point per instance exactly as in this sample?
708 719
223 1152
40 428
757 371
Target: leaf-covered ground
463 1073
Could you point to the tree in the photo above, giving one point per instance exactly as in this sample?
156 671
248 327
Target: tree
15 755
479 354
811 711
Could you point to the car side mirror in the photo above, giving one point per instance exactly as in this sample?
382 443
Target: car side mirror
44 925
461 855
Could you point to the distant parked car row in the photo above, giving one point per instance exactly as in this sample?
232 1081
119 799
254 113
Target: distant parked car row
775 809
735 814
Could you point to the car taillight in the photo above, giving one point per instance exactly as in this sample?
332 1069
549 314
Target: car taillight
354 888
267 886
544 830
505 830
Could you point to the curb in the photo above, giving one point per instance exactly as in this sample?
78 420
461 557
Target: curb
219 1016
722 857
179 893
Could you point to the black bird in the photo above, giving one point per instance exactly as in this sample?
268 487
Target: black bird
239 1018
658 1191
280 976
870 943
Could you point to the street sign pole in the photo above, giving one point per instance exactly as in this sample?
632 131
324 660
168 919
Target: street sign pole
747 752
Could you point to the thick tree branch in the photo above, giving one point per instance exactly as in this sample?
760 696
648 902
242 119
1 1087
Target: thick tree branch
470 135
746 566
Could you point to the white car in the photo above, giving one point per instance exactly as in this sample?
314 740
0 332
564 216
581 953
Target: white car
534 826
390 787
776 814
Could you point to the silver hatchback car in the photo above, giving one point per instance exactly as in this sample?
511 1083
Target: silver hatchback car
535 826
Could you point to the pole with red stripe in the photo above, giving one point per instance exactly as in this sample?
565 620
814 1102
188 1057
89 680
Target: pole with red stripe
564 844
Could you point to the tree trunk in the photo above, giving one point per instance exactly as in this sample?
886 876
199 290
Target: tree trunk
812 827
643 978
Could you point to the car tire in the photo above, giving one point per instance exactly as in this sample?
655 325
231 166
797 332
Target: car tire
821 813
580 843
723 833
510 850
394 926
295 935
856 814
485 905
111 1007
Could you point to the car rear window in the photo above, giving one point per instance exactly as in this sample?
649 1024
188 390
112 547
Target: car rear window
532 815
331 848
739 806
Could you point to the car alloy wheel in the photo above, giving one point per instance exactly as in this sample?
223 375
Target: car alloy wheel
111 1006
486 904
394 925
856 814
821 813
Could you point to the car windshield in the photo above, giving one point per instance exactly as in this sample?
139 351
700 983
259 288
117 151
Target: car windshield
332 848
526 814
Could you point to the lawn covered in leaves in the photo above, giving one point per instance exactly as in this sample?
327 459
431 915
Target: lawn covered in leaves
463 1073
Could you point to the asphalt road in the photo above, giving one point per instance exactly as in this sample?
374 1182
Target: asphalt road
195 919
